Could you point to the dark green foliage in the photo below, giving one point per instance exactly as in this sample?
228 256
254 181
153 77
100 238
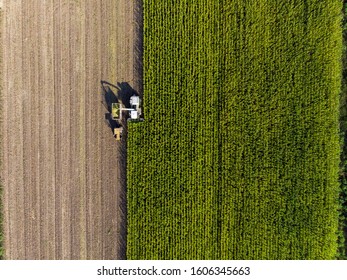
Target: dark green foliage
238 155
342 233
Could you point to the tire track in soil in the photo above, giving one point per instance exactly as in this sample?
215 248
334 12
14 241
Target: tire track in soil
28 230
58 127
31 136
13 148
82 137
48 119
44 132
74 121
65 131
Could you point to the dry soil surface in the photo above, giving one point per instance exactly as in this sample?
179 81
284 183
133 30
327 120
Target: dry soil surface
63 173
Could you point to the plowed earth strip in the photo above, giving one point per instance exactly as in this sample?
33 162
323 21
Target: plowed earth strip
62 171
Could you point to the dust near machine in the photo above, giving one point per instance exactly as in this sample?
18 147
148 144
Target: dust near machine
117 110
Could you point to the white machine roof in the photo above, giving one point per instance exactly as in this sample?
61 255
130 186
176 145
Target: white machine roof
134 115
134 100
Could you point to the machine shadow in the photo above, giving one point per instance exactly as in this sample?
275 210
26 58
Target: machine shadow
115 93
123 93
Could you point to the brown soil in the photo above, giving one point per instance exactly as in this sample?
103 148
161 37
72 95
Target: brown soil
63 172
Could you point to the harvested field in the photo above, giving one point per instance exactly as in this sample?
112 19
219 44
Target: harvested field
62 170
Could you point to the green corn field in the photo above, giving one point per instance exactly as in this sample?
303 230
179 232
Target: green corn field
238 156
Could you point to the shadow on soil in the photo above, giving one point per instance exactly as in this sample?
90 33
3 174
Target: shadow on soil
138 46
122 151
116 93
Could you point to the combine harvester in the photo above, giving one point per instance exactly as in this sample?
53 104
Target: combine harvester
134 114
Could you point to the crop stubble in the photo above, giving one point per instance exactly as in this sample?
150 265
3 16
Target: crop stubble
62 172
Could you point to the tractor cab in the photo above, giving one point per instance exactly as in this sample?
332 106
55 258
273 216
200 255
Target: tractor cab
117 133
